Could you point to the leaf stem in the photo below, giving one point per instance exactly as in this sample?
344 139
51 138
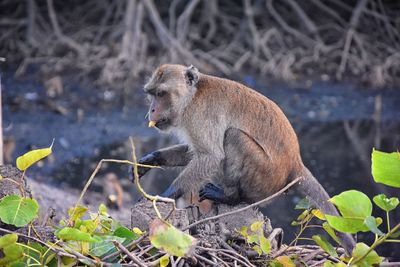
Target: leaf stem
388 220
380 240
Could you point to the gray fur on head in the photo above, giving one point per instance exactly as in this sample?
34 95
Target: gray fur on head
191 75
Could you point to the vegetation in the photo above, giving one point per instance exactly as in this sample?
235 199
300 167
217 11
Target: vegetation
94 238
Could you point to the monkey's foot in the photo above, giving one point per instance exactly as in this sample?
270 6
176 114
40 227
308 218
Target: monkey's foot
212 192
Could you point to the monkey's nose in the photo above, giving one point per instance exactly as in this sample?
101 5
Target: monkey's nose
153 110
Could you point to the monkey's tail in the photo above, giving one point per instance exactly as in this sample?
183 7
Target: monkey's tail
320 199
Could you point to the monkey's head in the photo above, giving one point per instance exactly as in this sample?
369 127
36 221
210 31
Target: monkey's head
170 89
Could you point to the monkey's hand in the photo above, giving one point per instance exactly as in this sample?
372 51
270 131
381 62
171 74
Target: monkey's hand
152 159
212 192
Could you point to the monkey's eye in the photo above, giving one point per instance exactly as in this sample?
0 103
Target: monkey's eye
161 93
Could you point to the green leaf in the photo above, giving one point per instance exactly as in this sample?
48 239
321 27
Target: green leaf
303 204
18 211
31 157
386 168
353 203
173 241
103 209
348 225
9 249
317 213
325 245
104 246
68 233
371 259
303 215
257 249
252 239
164 261
243 231
286 261
124 232
265 245
385 203
8 239
371 223
255 226
330 232
77 213
331 264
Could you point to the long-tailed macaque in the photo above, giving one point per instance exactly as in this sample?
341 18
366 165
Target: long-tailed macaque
238 144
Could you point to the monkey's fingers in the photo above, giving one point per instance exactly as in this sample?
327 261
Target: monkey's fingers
212 192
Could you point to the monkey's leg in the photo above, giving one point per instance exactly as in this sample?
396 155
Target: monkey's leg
244 166
178 155
200 169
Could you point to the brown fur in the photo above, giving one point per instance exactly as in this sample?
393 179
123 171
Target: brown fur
235 137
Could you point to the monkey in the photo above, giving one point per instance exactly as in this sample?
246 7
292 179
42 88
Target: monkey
237 145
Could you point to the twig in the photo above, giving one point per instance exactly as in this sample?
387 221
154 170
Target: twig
129 254
247 207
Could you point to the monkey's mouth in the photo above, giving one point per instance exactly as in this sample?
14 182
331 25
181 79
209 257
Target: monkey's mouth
162 124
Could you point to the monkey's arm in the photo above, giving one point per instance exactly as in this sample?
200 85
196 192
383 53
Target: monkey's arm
177 155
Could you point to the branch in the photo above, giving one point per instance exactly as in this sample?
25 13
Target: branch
263 201
57 30
129 254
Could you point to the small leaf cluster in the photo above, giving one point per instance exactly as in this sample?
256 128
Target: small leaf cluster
356 215
254 236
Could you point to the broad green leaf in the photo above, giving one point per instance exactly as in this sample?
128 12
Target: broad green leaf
255 226
330 232
303 204
9 249
105 246
77 213
31 157
252 239
265 245
257 249
68 233
386 168
18 211
325 245
371 259
353 203
317 213
385 203
348 225
173 241
371 223
164 260
124 232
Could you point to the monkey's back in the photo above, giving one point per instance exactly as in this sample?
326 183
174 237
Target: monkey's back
263 121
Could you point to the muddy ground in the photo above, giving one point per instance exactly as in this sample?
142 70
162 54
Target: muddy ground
90 123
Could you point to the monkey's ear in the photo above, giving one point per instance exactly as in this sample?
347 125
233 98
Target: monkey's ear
191 75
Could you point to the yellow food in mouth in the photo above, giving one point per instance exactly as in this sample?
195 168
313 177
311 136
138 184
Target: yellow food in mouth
152 124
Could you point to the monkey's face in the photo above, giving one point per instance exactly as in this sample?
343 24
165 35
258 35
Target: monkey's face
169 92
